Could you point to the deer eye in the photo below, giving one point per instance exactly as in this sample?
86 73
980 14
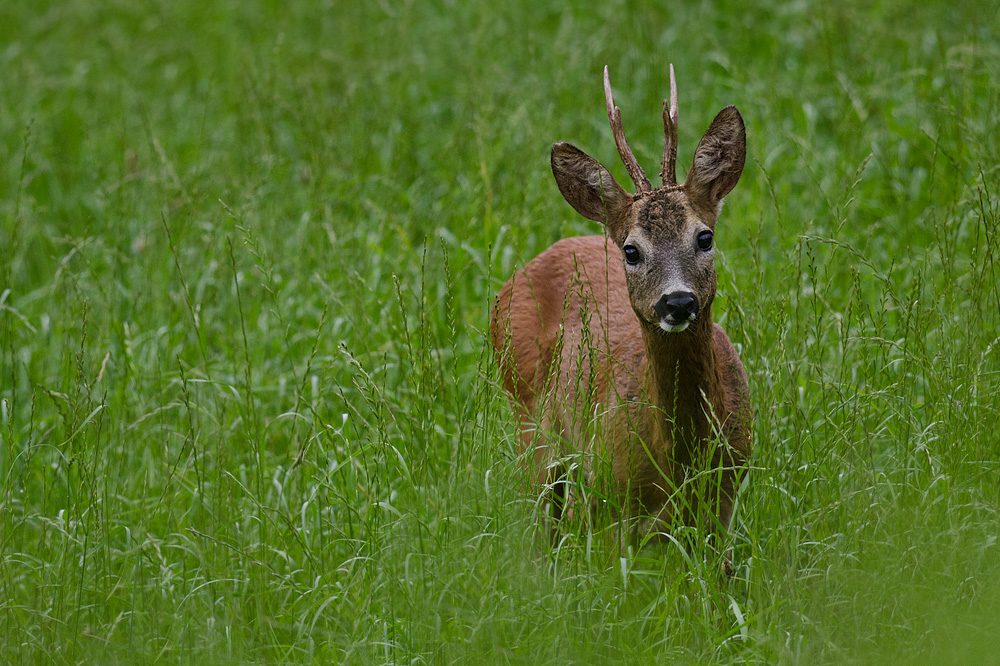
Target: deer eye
705 240
631 254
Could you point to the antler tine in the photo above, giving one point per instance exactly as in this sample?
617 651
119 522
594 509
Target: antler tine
669 171
635 171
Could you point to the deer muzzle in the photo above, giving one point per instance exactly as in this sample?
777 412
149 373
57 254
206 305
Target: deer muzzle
676 310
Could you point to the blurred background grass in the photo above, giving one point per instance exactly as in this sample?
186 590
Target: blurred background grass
247 253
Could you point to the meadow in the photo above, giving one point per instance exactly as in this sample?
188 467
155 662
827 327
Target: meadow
248 411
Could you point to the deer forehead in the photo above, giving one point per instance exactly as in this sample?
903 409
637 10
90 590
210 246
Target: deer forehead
664 215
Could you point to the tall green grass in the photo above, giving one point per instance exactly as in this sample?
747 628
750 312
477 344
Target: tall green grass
247 254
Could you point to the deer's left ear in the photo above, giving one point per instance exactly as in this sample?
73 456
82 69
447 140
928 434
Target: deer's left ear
718 161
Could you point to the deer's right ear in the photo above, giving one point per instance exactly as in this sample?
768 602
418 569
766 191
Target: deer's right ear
588 186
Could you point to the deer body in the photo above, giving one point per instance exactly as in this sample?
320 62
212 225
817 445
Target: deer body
617 331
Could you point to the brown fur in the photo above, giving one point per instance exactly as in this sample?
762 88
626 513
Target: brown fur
590 369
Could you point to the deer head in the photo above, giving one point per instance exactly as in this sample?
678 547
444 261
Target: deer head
665 234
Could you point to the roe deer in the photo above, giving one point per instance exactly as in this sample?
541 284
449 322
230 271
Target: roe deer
617 330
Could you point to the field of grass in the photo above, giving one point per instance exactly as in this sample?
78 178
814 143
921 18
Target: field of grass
248 413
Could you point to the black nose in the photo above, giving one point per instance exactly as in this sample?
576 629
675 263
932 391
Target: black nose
678 307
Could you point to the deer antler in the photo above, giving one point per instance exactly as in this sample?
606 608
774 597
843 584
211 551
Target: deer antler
615 116
669 171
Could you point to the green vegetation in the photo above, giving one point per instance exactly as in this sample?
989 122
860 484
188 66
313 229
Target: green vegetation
247 252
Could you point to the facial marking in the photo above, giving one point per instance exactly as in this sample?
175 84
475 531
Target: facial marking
675 328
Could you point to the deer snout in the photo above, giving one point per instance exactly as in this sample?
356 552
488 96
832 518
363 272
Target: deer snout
676 310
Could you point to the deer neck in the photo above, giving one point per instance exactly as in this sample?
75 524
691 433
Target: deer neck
682 384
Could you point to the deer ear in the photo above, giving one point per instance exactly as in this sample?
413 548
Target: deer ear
718 161
588 186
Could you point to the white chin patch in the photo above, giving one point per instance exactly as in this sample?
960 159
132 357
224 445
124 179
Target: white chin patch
674 328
